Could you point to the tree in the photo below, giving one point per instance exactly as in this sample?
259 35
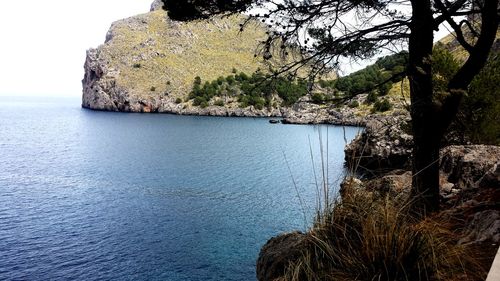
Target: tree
327 30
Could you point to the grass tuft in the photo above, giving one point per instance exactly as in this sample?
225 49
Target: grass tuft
366 237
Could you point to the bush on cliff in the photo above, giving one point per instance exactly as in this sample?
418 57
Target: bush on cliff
382 105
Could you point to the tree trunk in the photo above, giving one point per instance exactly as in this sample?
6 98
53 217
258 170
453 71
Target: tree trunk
426 133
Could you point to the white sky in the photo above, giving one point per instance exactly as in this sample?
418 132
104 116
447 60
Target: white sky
42 50
43 43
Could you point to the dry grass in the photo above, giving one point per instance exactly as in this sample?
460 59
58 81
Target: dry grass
177 52
362 238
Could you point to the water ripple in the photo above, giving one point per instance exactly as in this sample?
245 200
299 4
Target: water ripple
103 196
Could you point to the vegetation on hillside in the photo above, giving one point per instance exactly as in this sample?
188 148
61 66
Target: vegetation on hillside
149 50
380 76
259 90
480 111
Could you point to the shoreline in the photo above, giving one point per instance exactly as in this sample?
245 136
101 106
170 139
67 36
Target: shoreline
288 116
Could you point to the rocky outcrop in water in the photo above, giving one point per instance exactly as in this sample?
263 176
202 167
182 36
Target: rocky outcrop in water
385 144
278 253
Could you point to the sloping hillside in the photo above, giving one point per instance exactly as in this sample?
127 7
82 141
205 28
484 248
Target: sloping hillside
148 61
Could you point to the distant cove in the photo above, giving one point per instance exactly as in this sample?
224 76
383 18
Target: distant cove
120 196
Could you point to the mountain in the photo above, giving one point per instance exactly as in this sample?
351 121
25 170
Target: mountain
149 61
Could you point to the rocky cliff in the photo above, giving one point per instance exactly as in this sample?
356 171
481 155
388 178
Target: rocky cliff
148 61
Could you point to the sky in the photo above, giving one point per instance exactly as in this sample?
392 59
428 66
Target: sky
42 50
43 43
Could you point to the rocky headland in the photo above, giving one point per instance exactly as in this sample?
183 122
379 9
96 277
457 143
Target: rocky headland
148 64
148 61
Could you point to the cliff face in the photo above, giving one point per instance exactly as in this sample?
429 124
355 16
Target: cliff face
148 61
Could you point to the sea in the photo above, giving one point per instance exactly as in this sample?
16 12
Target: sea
88 195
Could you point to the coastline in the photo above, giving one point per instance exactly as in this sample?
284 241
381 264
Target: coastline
288 115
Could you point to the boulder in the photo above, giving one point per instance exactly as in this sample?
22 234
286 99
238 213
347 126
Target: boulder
156 5
277 254
383 145
469 166
483 226
491 178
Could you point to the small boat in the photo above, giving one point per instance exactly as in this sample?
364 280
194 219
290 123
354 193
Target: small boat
274 121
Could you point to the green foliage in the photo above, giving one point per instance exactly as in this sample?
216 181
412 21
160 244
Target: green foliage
382 105
480 109
203 104
256 90
230 80
290 92
241 77
199 100
136 65
372 97
318 98
219 103
368 78
220 80
444 66
152 89
384 89
326 84
178 100
393 62
354 104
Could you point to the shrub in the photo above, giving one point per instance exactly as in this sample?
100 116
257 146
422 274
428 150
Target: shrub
382 106
372 97
241 77
203 104
384 89
197 80
354 104
318 98
230 79
326 84
289 91
219 103
480 109
178 100
152 89
199 100
136 65
220 80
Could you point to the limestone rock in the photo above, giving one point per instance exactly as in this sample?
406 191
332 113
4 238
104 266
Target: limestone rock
491 178
484 226
278 253
383 145
471 165
156 5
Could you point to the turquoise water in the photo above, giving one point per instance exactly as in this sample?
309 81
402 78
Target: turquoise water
90 195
